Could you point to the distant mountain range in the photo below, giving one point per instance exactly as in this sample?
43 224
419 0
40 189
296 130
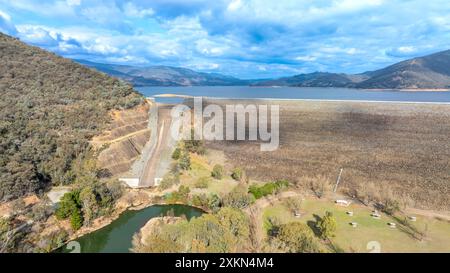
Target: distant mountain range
164 75
429 72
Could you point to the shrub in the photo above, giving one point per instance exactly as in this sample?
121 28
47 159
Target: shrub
211 201
327 225
238 198
185 161
297 238
76 220
202 183
194 146
69 203
268 188
237 174
293 204
180 196
391 206
320 185
169 180
176 154
217 172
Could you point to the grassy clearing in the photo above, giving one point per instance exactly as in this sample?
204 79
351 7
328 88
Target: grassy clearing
201 167
368 229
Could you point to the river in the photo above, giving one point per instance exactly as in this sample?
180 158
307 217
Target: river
117 236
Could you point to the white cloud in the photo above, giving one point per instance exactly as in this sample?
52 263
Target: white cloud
267 38
306 58
6 26
38 35
234 5
5 16
73 2
131 10
406 49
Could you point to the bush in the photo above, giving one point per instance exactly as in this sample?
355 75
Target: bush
180 196
169 180
211 201
327 225
41 212
69 203
391 206
185 161
217 172
194 146
202 183
76 220
320 185
237 174
238 198
70 207
297 238
176 154
268 188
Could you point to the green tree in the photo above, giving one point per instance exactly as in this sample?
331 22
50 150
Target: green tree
70 207
214 202
235 221
217 172
238 198
176 154
76 220
297 237
185 161
89 204
327 226
69 203
294 204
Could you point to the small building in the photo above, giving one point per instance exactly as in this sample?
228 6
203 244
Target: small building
131 182
392 225
343 203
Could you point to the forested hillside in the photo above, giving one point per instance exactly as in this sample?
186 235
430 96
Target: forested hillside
50 108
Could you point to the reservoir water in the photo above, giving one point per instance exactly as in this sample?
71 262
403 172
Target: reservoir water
243 92
117 236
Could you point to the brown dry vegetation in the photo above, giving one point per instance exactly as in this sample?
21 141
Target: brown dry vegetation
403 146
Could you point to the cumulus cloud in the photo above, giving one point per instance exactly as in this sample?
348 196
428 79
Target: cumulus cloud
251 38
6 25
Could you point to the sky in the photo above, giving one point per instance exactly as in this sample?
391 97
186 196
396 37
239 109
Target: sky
241 38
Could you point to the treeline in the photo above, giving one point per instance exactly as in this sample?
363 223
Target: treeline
50 108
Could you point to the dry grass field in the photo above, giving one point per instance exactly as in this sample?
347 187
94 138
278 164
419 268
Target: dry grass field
404 146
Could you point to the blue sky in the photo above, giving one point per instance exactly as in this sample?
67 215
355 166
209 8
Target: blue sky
247 39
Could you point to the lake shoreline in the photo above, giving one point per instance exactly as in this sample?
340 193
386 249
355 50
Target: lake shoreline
175 94
106 221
